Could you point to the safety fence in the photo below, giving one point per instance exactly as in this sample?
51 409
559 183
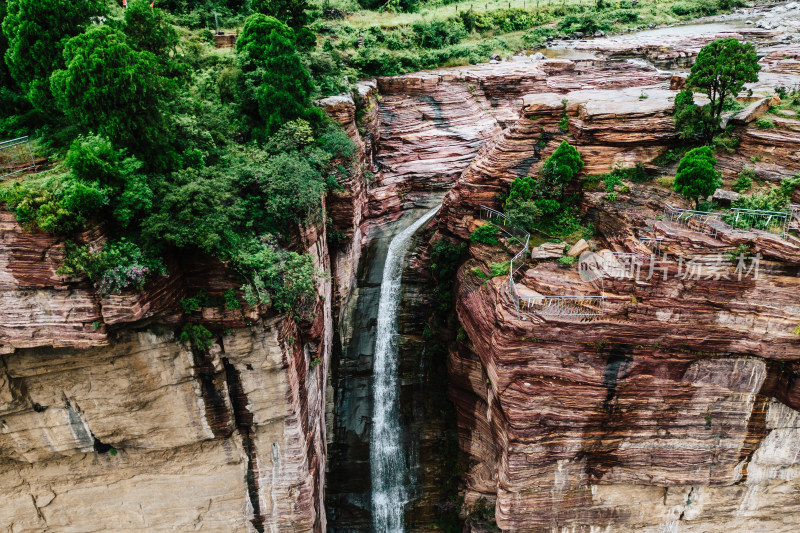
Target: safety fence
562 305
16 156
653 244
703 222
540 305
739 219
748 219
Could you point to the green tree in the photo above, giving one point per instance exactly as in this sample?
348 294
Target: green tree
693 121
5 75
290 12
276 87
97 165
147 29
36 30
721 70
697 176
558 171
110 88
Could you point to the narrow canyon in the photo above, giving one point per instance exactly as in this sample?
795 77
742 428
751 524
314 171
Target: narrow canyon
423 399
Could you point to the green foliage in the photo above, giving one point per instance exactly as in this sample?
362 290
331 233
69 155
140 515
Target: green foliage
98 166
536 37
276 87
197 336
721 70
566 260
525 214
772 200
446 257
231 300
693 122
438 33
486 234
285 280
587 23
521 189
558 171
745 181
696 175
148 30
764 123
118 266
37 205
290 12
499 269
110 88
36 31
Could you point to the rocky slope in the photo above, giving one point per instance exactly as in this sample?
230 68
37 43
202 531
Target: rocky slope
675 409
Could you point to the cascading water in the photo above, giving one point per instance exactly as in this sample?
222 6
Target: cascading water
387 462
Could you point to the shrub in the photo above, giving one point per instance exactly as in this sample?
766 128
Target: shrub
118 266
499 269
764 123
586 23
567 260
197 336
696 175
772 200
438 33
486 234
745 181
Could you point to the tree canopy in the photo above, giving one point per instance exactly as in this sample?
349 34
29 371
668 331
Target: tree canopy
276 86
112 89
697 176
35 30
720 71
290 12
147 28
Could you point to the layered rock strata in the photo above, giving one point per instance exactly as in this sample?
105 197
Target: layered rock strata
108 422
675 409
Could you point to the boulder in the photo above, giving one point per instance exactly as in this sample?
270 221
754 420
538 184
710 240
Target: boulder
677 82
752 112
538 56
579 247
548 250
723 197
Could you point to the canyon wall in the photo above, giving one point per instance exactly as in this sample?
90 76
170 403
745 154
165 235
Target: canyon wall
108 422
673 411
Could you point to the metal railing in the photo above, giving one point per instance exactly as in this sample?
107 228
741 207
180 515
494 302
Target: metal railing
16 156
748 219
703 222
537 305
562 305
653 244
504 224
739 219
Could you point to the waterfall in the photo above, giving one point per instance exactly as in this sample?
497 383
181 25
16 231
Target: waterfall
387 463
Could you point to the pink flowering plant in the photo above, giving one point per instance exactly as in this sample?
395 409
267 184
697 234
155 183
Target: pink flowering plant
118 266
122 277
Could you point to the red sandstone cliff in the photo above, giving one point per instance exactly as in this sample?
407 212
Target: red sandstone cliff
675 410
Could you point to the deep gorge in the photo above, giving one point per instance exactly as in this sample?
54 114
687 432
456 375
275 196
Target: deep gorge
674 411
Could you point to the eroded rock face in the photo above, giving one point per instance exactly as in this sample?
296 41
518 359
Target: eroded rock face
109 423
676 408
225 441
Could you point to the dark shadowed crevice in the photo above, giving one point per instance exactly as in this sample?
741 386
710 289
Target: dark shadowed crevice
244 423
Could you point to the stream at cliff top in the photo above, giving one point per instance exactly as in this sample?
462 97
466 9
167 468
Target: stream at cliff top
389 468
